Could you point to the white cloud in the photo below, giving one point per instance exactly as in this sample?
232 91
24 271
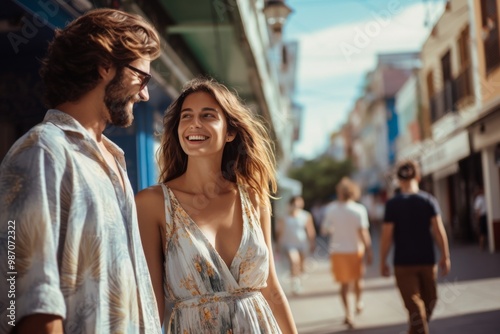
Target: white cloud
350 50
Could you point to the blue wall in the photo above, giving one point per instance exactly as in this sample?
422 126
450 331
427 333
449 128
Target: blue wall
138 140
392 127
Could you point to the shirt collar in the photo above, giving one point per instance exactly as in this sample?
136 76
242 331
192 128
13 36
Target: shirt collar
67 123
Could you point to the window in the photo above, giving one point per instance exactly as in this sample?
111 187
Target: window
489 21
463 48
463 82
430 83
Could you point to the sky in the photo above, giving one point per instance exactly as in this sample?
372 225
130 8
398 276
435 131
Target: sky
338 44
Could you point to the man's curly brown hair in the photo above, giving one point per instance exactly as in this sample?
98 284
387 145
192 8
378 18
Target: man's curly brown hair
101 37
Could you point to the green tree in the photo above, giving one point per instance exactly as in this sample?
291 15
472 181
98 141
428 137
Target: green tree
319 178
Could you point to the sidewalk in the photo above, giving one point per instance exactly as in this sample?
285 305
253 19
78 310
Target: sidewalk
469 297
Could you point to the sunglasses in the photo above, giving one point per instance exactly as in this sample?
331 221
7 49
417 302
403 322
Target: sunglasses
146 76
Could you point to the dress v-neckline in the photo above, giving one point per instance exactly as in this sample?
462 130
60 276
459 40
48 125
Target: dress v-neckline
204 237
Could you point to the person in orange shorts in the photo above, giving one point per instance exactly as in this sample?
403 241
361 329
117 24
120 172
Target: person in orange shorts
347 223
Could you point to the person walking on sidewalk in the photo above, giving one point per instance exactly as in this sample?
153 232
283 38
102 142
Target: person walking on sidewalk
67 206
481 216
411 221
296 235
347 223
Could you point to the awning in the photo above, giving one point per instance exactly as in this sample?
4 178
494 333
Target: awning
446 153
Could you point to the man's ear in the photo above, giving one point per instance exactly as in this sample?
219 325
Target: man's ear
106 71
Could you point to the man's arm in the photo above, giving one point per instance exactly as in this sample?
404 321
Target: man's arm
33 202
385 246
442 242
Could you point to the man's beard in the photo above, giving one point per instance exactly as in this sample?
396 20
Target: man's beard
117 103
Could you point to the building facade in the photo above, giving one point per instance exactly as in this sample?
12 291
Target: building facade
229 41
485 136
374 128
460 96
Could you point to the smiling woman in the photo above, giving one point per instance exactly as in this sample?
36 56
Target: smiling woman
202 121
212 258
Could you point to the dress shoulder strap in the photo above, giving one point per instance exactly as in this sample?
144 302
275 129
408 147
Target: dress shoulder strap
168 210
248 205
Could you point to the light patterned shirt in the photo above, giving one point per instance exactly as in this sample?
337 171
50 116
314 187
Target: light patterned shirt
69 238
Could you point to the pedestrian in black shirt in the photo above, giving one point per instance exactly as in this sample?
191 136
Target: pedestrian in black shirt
412 221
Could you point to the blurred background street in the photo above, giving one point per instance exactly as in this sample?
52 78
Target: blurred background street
469 297
344 88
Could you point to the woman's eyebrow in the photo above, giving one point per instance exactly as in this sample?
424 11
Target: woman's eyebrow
202 109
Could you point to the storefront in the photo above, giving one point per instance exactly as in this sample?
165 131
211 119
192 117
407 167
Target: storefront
26 30
455 173
485 136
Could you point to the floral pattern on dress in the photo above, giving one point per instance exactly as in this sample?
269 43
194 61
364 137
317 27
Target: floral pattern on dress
209 296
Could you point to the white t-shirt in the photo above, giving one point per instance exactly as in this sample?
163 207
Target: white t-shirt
294 234
343 221
480 205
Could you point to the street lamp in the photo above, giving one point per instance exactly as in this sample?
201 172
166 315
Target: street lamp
276 12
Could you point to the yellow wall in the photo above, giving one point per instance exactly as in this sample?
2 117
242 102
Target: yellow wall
490 84
447 32
444 38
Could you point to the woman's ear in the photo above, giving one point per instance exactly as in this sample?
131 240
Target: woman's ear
230 136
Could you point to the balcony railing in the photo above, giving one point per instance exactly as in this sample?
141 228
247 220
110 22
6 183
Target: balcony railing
454 93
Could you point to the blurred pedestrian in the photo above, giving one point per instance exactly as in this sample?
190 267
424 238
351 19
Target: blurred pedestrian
296 235
481 217
412 220
318 212
347 224
206 228
66 201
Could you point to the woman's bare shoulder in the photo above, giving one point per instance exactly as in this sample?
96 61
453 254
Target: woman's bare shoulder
150 202
150 194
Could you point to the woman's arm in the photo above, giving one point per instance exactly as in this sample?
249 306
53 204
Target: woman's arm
364 234
311 232
151 225
41 324
273 292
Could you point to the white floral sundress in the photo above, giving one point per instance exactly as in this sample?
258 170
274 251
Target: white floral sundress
208 296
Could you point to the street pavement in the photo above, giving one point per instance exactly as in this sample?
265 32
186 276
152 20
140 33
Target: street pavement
469 297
